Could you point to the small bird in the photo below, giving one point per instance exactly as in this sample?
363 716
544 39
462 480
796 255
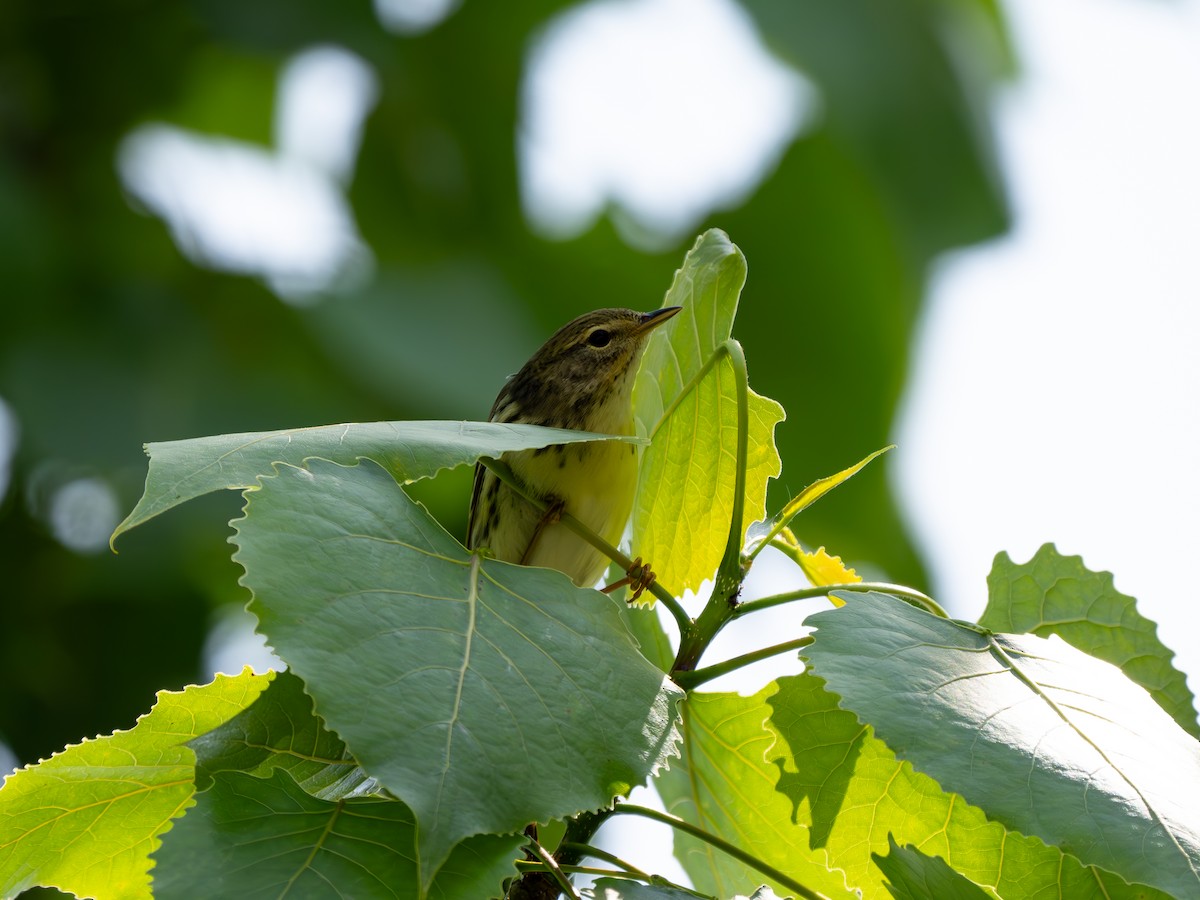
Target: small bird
581 378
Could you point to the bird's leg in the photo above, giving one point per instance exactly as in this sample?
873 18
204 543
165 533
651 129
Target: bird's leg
638 577
552 515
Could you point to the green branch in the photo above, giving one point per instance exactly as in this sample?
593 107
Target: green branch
729 573
907 594
691 680
551 866
737 853
584 850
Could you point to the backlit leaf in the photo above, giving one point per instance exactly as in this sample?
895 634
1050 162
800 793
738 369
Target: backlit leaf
686 402
1047 740
86 819
799 782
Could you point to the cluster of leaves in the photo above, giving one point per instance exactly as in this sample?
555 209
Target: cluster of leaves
436 702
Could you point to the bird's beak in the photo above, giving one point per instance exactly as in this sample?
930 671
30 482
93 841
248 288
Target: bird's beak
654 319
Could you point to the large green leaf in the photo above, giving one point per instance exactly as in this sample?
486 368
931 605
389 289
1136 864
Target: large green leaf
1056 594
253 837
484 695
806 785
86 819
182 470
1046 739
686 401
280 731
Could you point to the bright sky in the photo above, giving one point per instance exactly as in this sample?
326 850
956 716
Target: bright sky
1055 395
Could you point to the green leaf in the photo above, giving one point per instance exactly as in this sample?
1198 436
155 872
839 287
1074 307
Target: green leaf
280 731
484 695
182 470
1056 594
686 401
796 780
266 837
1047 740
911 875
86 819
724 784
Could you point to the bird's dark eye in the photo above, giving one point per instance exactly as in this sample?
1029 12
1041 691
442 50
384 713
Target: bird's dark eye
599 338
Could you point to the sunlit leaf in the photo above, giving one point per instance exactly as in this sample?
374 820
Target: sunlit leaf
686 401
484 695
182 470
1056 594
280 731
86 819
724 784
264 838
799 782
818 566
1048 740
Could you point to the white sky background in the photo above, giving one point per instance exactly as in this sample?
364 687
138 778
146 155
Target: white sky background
1055 391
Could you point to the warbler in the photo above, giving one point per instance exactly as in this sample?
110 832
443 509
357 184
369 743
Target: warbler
581 378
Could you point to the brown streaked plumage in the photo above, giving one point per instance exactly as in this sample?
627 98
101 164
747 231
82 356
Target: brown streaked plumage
581 378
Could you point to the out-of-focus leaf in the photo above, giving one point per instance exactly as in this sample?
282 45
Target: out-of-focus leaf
280 731
498 694
182 470
266 837
1047 740
911 875
808 786
86 819
1056 594
887 71
686 401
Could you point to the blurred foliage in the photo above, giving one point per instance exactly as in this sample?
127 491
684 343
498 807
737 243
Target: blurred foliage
112 338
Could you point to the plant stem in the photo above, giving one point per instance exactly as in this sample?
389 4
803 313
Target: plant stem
589 850
729 572
691 680
564 883
506 475
916 598
740 855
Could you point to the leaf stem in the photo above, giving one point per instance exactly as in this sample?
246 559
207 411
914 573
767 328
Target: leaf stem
737 853
551 866
907 594
697 677
723 602
502 471
595 852
729 573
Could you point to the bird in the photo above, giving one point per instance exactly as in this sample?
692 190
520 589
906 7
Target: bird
581 378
